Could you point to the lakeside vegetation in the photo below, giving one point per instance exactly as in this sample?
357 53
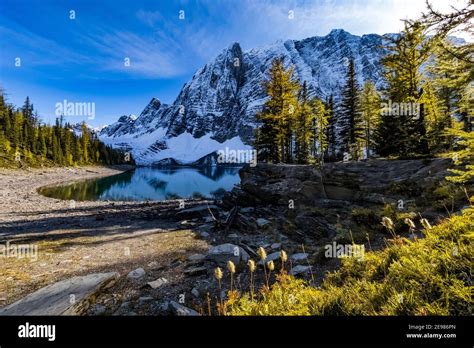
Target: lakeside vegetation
26 141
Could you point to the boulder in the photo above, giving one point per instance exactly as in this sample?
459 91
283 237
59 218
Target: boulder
157 283
220 254
136 274
68 297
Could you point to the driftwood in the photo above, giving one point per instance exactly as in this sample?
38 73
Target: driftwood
224 225
230 219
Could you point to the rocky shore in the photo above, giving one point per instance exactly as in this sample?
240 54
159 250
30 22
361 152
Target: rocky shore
162 256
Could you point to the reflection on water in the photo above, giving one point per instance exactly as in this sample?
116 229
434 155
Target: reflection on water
151 184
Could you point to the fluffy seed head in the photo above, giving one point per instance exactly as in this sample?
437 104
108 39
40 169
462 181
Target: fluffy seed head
252 266
262 253
283 256
231 267
218 273
410 223
387 222
270 265
426 224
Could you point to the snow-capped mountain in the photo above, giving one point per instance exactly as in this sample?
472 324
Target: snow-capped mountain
217 108
76 128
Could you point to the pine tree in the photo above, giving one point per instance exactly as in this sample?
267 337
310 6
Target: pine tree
304 121
348 111
368 117
85 143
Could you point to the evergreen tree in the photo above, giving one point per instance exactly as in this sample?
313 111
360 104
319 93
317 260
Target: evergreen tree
320 125
368 116
275 134
348 111
22 136
304 121
403 133
330 129
85 143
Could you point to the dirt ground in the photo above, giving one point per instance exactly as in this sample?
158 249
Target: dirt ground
64 239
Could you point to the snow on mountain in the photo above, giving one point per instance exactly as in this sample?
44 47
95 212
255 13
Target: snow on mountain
217 108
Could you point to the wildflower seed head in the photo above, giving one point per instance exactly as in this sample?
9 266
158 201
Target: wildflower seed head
387 222
426 224
270 265
410 223
231 267
283 256
252 266
262 253
218 273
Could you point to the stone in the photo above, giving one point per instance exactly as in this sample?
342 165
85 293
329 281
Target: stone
195 292
180 310
276 246
275 257
204 235
144 299
153 265
263 223
196 257
157 283
99 310
298 257
300 269
136 274
194 271
220 254
68 297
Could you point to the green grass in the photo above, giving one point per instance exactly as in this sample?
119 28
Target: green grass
427 276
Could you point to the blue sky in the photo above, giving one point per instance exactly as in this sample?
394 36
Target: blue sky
83 59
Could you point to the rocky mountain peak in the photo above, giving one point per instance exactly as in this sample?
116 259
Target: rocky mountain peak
218 105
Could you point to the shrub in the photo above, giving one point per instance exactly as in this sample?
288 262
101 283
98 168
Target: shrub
429 276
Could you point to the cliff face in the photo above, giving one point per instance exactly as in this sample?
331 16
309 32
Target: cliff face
217 108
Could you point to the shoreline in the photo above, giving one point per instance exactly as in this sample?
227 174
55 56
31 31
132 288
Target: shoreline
88 237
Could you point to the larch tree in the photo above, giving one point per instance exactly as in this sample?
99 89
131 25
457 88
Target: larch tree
402 130
275 134
368 116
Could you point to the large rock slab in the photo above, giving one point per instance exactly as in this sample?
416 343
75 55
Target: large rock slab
67 297
220 254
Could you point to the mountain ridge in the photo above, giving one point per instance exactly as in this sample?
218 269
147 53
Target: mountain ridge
217 107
